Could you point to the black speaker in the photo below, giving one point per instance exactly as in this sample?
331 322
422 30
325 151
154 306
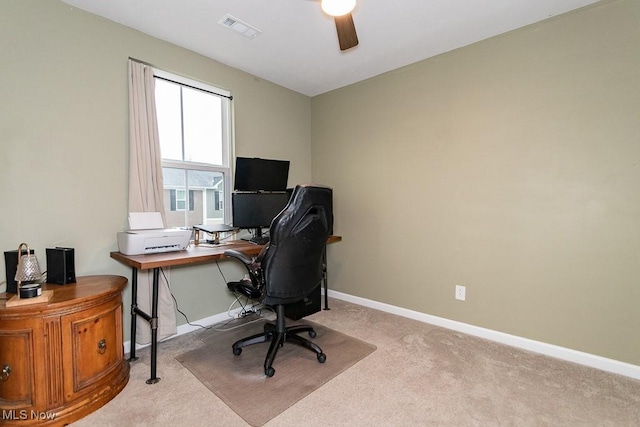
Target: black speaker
60 266
306 307
11 266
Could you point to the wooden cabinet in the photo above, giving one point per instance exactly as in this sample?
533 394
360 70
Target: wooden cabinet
17 361
62 359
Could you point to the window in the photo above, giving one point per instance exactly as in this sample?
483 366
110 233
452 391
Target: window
194 129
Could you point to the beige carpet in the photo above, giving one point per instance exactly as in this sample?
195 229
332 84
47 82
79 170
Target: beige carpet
419 375
240 382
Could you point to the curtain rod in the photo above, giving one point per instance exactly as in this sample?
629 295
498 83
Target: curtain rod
140 62
229 97
196 88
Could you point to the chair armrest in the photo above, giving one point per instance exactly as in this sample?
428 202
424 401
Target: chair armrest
242 257
251 288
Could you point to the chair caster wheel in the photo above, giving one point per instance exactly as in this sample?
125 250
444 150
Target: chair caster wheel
312 333
269 371
322 357
237 351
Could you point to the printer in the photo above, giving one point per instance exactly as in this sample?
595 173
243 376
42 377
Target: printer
138 242
147 235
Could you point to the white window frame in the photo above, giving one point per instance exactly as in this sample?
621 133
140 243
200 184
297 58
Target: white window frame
228 135
183 199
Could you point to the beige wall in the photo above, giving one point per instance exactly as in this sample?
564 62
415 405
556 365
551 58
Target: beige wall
64 136
511 167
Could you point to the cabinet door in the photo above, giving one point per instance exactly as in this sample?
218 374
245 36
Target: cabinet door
92 346
16 357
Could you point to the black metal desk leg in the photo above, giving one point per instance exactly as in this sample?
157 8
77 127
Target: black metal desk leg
134 316
325 280
154 327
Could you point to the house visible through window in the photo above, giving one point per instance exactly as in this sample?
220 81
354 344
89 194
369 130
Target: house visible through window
179 200
194 131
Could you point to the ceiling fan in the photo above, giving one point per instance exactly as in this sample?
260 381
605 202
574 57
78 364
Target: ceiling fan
341 12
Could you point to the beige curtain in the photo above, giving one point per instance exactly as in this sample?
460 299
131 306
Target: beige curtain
146 190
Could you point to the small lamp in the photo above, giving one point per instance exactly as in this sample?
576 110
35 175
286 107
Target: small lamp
337 7
28 274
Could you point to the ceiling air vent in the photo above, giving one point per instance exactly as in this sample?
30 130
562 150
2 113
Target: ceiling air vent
238 26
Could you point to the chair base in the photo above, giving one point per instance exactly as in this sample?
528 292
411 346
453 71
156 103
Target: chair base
278 334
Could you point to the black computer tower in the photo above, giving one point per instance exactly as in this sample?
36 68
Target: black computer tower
306 307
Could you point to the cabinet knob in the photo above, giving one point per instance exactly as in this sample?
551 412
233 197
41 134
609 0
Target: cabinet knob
6 370
102 346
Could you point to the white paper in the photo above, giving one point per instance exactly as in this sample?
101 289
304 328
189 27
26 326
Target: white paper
145 220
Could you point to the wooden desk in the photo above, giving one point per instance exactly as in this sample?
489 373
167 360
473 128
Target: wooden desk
202 253
64 358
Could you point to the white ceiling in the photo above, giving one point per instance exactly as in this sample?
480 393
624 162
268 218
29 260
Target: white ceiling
298 46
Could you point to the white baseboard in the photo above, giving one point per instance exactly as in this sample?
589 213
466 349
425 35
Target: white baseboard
587 359
569 355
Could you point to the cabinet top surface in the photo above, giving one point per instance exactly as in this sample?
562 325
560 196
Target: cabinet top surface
86 289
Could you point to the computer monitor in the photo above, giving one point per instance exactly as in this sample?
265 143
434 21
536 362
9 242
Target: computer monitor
255 174
255 211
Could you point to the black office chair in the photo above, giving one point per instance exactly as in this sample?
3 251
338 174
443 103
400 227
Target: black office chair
289 268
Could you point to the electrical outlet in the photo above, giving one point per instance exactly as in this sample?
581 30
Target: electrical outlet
461 292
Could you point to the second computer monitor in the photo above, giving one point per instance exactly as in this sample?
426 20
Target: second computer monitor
255 211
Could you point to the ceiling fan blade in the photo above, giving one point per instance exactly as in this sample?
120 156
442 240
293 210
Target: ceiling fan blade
346 31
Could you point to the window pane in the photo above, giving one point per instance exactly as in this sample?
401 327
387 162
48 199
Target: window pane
193 126
198 208
169 119
202 126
